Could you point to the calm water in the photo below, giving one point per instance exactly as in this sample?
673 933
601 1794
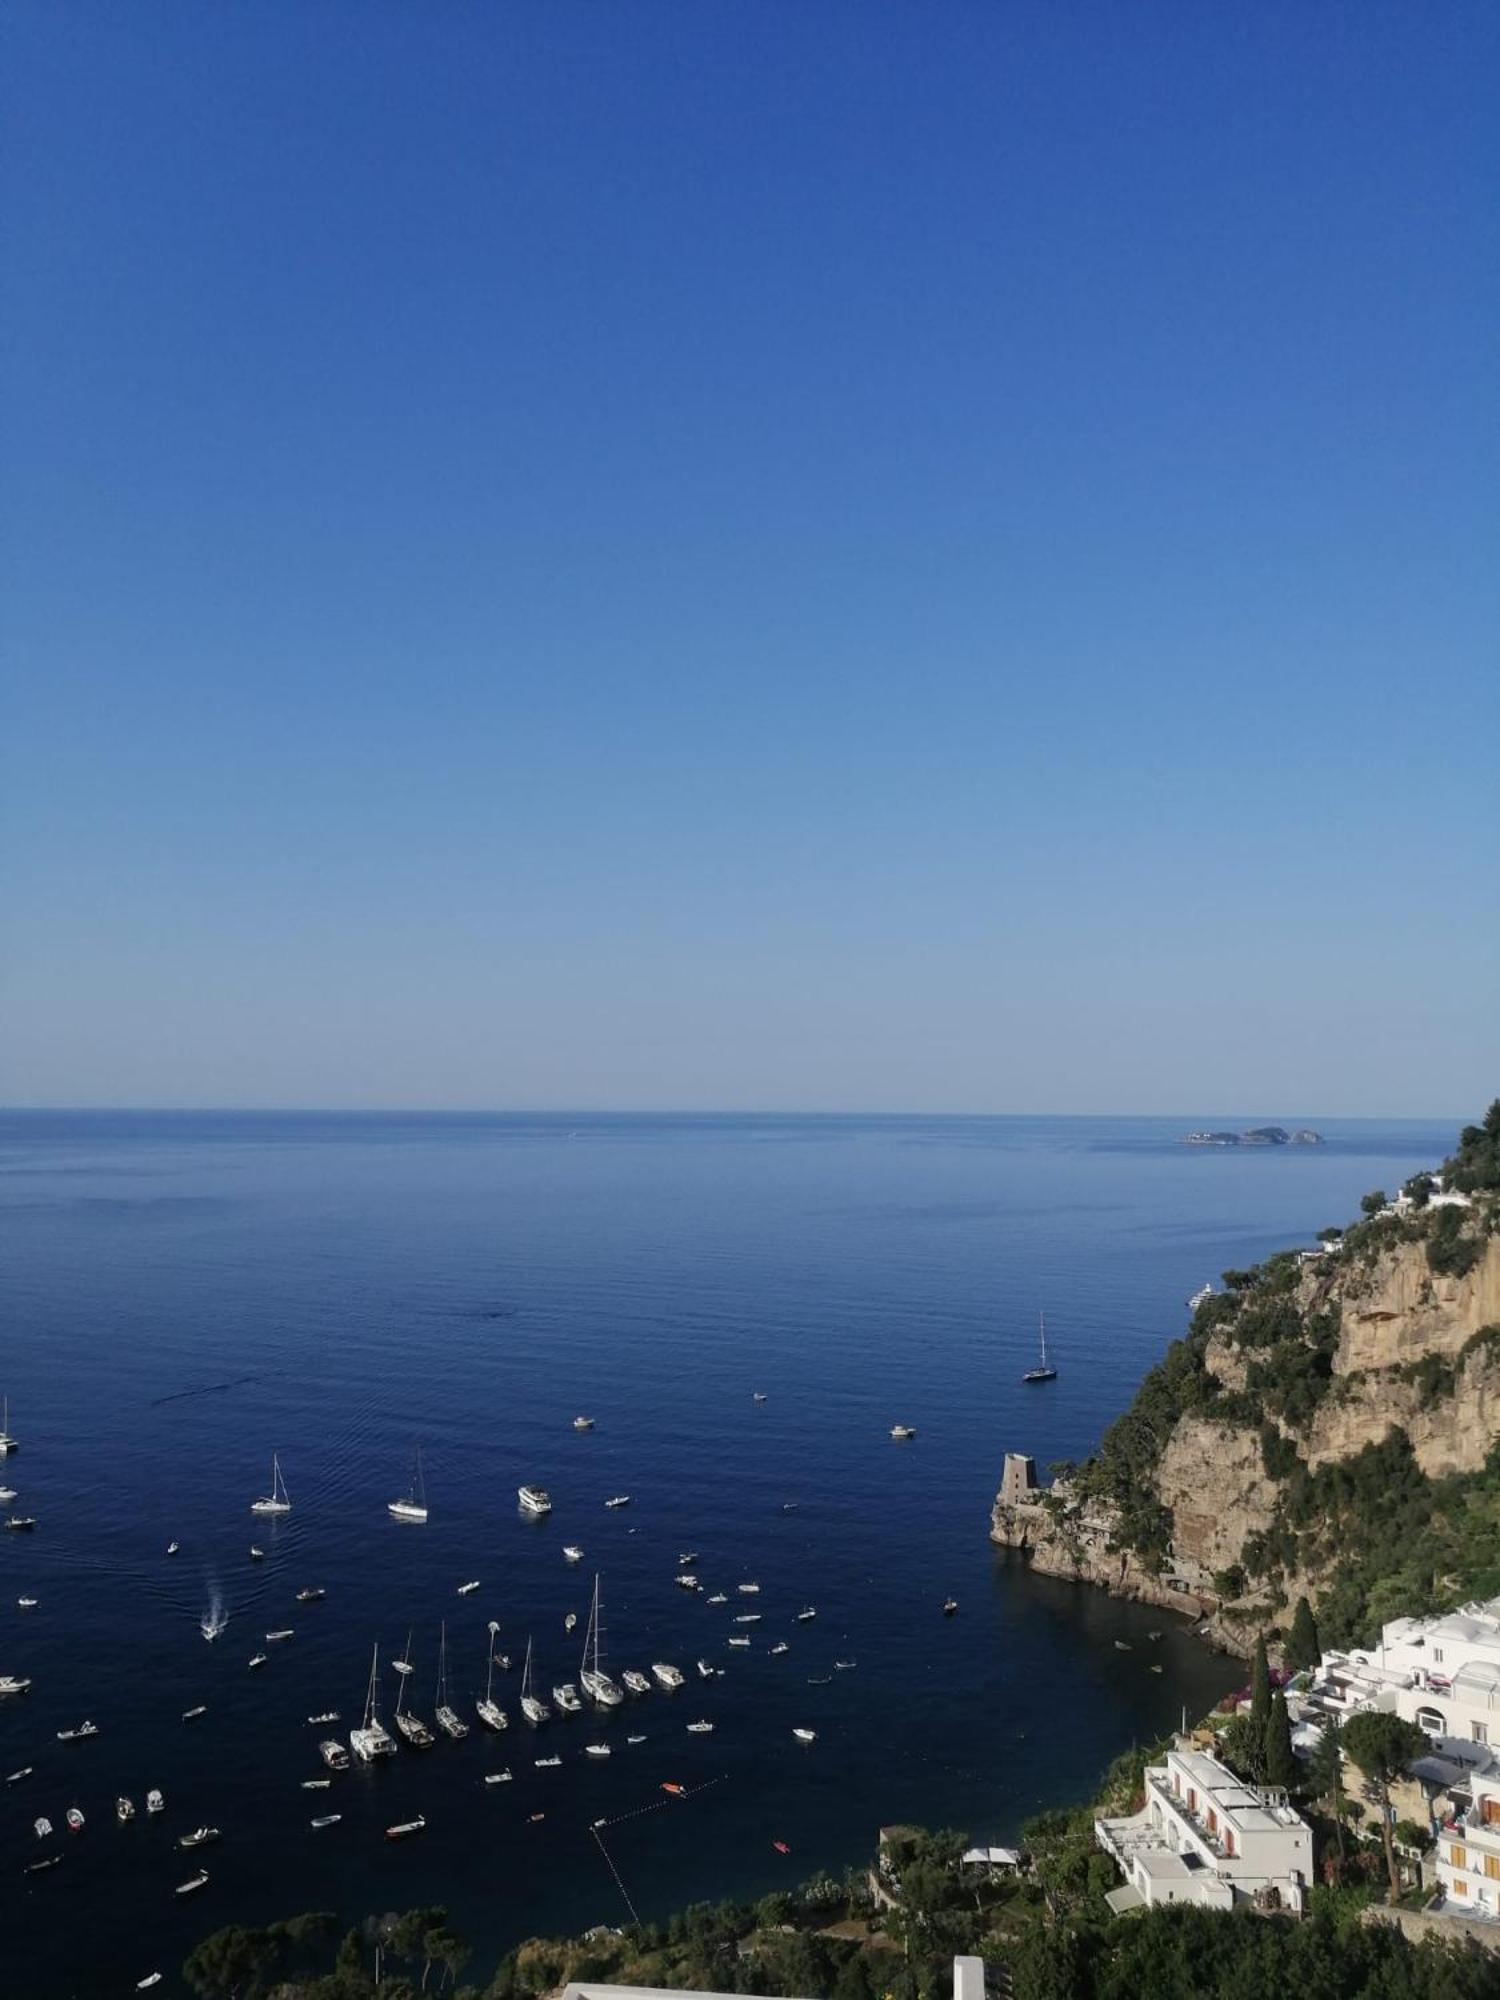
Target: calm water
184 1293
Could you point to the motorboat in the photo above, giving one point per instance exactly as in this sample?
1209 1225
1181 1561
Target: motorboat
21 1524
700 1729
748 1617
155 1803
618 1500
820 1680
192 1884
534 1500
372 1739
192 1714
533 1707
665 1675
280 1636
468 1589
567 1698
583 1423
498 1777
42 1828
173 1547
570 1621
687 1581
596 1750
13 1684
950 1606
151 1979
718 1598
781 1646
806 1735
572 1553
317 1784
686 1558
75 1819
15 1777
333 1753
324 1819
635 1739
900 1432
404 1828
756 1396
7 1494
258 1660
201 1836
257 1555
214 1620
748 1589
278 1500
635 1681
328 1715
844 1666
705 1671
547 1763
503 1661
78 1732
739 1641
807 1614
39 1867
414 1506
312 1594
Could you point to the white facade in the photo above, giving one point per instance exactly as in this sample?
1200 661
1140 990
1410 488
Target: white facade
1442 1673
1204 1836
1468 1851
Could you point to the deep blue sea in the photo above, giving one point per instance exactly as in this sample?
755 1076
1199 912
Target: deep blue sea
182 1294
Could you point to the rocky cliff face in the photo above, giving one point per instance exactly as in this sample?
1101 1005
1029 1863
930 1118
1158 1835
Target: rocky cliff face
1300 1367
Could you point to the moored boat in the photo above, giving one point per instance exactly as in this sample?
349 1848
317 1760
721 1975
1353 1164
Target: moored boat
595 1682
806 1735
372 1740
333 1753
311 1594
489 1711
75 1819
636 1681
78 1733
124 1810
14 1684
618 1500
468 1589
534 1499
278 1500
583 1423
666 1675
567 1698
533 1707
155 1803
413 1507
192 1884
900 1432
325 1819
445 1715
201 1836
404 1828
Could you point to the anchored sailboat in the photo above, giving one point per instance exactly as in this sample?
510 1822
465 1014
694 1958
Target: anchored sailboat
1044 1372
414 1506
489 1711
278 1500
445 1715
7 1442
412 1727
595 1682
372 1739
532 1706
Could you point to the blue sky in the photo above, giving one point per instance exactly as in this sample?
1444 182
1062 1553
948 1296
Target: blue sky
708 555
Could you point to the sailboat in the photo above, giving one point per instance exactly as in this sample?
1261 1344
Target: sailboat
1044 1372
8 1444
489 1711
595 1682
412 1727
445 1715
414 1506
372 1739
278 1500
532 1706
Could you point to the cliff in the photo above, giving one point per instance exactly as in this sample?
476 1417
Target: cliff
1328 1427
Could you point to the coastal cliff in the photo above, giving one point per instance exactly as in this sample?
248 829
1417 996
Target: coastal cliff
1328 1428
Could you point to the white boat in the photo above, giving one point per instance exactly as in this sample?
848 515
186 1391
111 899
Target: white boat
7 1494
404 1828
279 1637
808 1611
278 1500
534 1500
333 1753
636 1681
192 1714
567 1698
668 1677
312 1593
748 1589
498 1777
192 1884
687 1581
151 1979
173 1547
533 1707
718 1598
844 1666
739 1642
412 1727
748 1617
257 1555
320 1784
618 1500
635 1739
489 1711
38 1867
781 1646
700 1729
902 1431
78 1732
155 1803
201 1836
1043 1372
325 1819
686 1558
15 1777
547 1763
595 1683
570 1621
705 1671
468 1589
403 1665
75 1819
596 1749
26 1603
328 1715
372 1739
757 1397
8 1444
43 1828
22 1524
13 1684
445 1715
414 1506
258 1660
806 1735
214 1620
583 1423
572 1553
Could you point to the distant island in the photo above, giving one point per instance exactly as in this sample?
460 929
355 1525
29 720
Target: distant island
1258 1135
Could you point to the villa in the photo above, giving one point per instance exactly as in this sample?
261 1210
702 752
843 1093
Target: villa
1441 1673
1468 1852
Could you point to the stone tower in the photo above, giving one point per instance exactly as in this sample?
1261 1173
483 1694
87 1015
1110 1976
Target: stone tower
1018 1482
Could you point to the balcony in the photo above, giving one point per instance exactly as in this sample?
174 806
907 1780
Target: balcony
1158 1785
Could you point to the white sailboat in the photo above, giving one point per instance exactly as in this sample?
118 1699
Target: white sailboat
1043 1372
445 1715
489 1711
372 1739
414 1506
278 1500
8 1443
596 1684
532 1706
412 1727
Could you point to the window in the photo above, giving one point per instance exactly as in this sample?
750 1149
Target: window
1437 1654
1492 1867
1481 1732
1489 1811
1460 1888
1229 1840
1457 1856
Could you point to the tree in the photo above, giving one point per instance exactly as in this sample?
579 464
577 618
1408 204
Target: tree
1260 1704
1302 1648
1325 1776
1281 1760
1373 1202
1383 1746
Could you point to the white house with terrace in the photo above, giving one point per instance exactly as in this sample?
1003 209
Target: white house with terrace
1443 1673
1468 1850
1204 1836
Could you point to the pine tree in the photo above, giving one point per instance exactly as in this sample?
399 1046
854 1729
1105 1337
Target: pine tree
1302 1648
1280 1758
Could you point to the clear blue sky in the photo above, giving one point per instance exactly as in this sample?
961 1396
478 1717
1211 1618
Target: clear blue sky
773 555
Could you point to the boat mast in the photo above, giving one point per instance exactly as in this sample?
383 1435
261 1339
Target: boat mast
489 1682
1044 1338
370 1716
591 1634
442 1694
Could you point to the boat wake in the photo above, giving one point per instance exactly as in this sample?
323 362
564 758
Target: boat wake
203 1389
216 1617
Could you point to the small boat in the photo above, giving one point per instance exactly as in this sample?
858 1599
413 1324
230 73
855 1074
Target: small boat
636 1681
278 1500
572 1553
498 1777
1122 1645
687 1558
596 1750
325 1819
739 1641
15 1777
192 1714
567 1698
328 1715
404 1828
844 1666
583 1423
900 1432
790 1506
676 1791
468 1589
39 1867
13 1684
748 1589
718 1598
75 1819
311 1594
151 1979
7 1494
21 1524
201 1836
807 1614
192 1884
214 1620
26 1603
534 1500
78 1733
502 1660
124 1810
687 1581
258 1660
414 1506
666 1676
489 1711
950 1605
705 1671
42 1828
533 1707
1043 1372
547 1763
756 1396
618 1500
173 1547
372 1739
1156 1667
820 1680
570 1621
806 1735
781 1646
635 1739
748 1617
700 1729
533 1819
333 1753
316 1784
445 1715
257 1555
1153 1635
278 1637
781 1847
155 1803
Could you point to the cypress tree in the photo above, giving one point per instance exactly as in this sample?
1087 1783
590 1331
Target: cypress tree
1281 1759
1260 1699
1302 1648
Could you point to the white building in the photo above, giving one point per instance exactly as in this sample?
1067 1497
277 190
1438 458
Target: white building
1442 1673
1204 1836
968 1984
1468 1850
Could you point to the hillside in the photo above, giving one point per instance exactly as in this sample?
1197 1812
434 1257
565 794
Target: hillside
1330 1425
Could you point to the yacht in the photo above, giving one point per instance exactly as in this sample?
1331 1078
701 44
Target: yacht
806 1735
666 1676
1203 1292
201 1836
372 1739
193 1884
8 1444
636 1681
572 1553
1043 1372
583 1423
567 1698
468 1589
412 1727
596 1684
534 1500
748 1589
155 1803
78 1733
13 1684
903 1431
414 1506
533 1707
618 1500
333 1753
445 1715
489 1711
807 1614
700 1729
278 1500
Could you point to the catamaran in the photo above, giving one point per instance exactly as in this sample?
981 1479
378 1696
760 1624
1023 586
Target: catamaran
489 1711
278 1500
596 1684
445 1715
412 1727
372 1739
532 1706
414 1506
1043 1372
8 1443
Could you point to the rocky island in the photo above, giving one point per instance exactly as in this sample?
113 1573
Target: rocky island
1258 1135
1329 1427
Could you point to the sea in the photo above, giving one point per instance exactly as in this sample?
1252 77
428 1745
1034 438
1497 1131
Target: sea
744 1306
